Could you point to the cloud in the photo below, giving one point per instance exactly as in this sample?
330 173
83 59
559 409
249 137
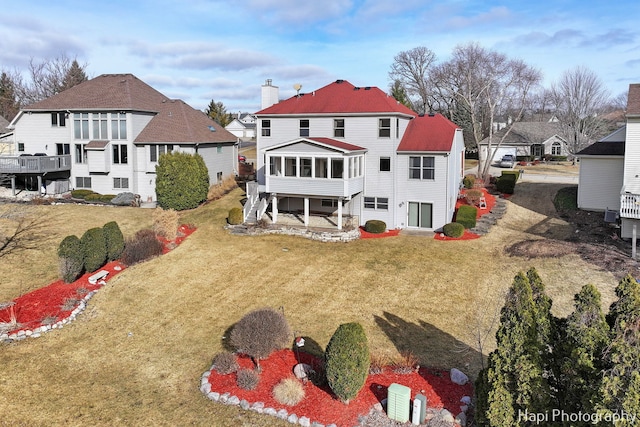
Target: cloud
569 37
298 13
493 16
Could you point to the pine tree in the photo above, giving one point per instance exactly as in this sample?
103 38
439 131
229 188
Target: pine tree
9 105
620 386
218 112
74 76
585 336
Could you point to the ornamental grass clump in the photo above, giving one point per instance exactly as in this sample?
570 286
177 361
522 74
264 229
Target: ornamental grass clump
473 196
142 246
225 363
261 332
247 379
405 363
166 222
347 361
289 391
235 216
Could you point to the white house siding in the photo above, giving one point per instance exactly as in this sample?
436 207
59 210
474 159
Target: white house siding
39 136
136 123
632 154
223 162
600 182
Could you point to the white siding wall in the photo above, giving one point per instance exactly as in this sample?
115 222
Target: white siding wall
599 183
38 136
632 153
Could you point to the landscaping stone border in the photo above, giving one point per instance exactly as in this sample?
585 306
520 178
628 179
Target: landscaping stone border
322 236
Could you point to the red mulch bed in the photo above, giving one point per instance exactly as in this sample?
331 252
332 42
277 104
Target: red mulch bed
32 308
491 202
322 406
366 235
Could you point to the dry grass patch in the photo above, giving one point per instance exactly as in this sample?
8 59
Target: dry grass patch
136 355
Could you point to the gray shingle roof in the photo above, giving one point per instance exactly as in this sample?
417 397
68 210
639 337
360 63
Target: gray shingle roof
527 133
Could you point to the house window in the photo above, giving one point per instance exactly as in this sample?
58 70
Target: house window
305 167
337 167
100 126
338 128
329 203
385 164
81 125
321 167
422 167
156 151
420 214
275 166
62 149
20 146
397 128
384 128
266 128
81 153
556 149
118 125
121 183
290 166
219 177
304 127
83 182
120 154
377 203
355 167
219 148
58 119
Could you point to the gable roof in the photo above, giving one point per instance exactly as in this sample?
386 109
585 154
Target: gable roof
176 121
611 145
339 97
322 142
527 133
105 92
633 100
428 133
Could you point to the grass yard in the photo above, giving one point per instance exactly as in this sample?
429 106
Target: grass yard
135 356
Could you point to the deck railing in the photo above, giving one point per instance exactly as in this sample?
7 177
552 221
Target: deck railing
630 206
35 164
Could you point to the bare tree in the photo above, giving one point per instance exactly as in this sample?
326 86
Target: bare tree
486 84
9 102
21 229
51 76
411 68
580 98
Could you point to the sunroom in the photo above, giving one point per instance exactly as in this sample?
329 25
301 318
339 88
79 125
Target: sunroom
310 172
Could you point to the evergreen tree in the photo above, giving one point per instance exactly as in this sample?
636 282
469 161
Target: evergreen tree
74 76
399 93
218 112
9 105
620 388
585 336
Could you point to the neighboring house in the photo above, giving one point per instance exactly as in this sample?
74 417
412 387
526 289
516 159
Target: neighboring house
610 170
355 151
107 134
241 129
531 140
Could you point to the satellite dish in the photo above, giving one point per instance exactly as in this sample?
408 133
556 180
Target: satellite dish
297 87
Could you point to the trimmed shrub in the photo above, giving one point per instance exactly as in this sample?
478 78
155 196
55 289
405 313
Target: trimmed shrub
261 332
247 379
97 197
375 226
473 196
453 229
71 258
506 183
468 181
288 392
515 172
94 249
466 215
114 240
347 361
225 363
81 194
165 223
182 181
235 216
142 246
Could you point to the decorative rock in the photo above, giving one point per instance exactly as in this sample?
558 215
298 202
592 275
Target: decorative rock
282 414
466 400
461 419
313 424
224 398
205 387
306 422
36 335
378 407
244 404
124 199
207 374
458 377
213 395
258 407
270 411
446 416
293 419
233 400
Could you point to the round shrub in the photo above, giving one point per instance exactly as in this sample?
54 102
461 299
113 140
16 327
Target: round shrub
453 229
468 181
507 183
261 332
473 196
182 181
375 226
142 246
247 379
347 361
114 240
288 392
94 197
94 249
466 215
225 363
71 258
235 216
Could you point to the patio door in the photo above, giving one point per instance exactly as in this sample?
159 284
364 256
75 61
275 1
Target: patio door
420 215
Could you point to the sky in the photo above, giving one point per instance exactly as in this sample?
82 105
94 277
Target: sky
203 50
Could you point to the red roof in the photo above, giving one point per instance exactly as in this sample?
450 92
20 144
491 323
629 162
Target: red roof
339 97
337 144
428 133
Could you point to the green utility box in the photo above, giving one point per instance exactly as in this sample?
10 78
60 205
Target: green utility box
398 402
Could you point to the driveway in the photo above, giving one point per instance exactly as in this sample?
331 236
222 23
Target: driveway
533 176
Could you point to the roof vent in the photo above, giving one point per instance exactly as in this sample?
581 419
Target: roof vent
339 81
356 88
432 114
367 88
